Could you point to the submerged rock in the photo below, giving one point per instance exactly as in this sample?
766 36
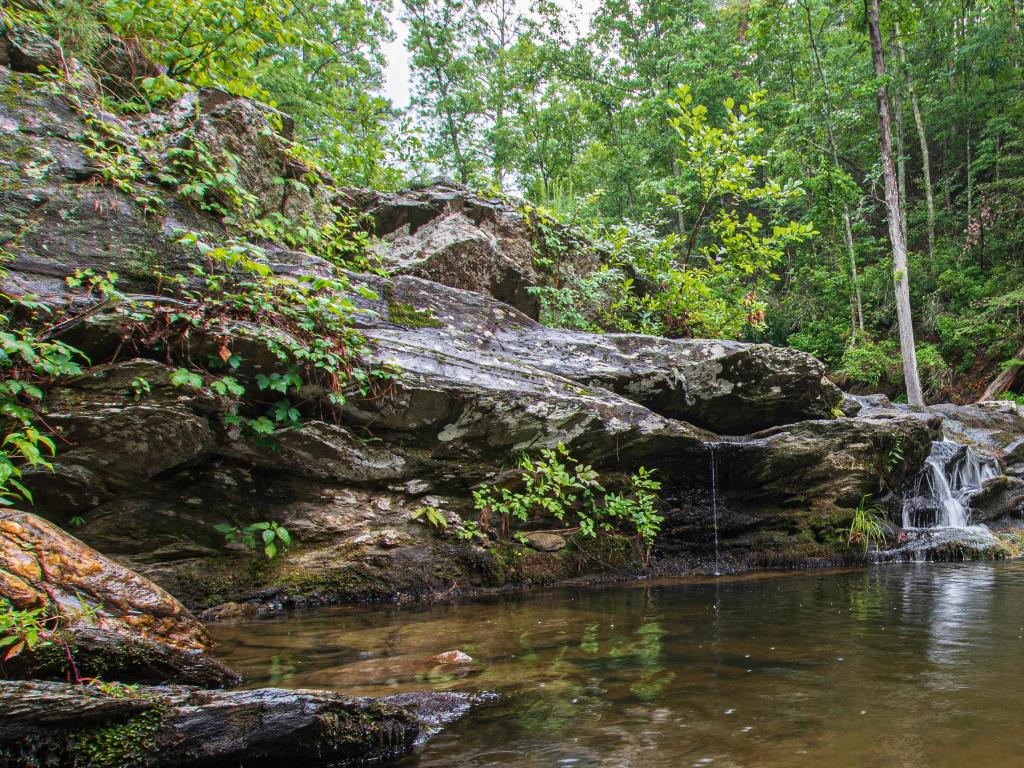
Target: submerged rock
60 724
947 545
114 622
453 657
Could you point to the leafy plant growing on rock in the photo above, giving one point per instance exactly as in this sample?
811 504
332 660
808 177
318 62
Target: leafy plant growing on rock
431 515
866 528
28 359
555 485
23 629
468 530
33 628
895 455
270 536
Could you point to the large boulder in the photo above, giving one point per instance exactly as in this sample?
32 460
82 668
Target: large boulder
999 503
470 339
105 619
449 235
475 381
45 723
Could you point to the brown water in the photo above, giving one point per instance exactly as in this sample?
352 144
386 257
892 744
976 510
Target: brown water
916 665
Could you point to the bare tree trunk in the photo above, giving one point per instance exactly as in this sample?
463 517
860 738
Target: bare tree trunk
970 180
901 278
1002 382
848 230
922 138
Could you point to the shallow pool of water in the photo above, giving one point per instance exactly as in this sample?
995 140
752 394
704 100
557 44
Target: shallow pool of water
910 665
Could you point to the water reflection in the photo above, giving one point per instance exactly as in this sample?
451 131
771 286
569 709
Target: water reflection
898 666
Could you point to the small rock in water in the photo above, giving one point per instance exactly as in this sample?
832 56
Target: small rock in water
545 542
453 657
229 612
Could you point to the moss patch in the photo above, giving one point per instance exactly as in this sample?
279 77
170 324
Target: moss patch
120 745
408 316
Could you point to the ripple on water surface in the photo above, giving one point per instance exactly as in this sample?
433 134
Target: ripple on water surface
915 665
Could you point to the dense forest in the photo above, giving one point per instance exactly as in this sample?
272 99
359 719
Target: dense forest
641 291
723 157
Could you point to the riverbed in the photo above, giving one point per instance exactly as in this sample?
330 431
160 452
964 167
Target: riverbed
900 665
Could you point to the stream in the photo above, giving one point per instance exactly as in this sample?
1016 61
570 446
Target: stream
898 665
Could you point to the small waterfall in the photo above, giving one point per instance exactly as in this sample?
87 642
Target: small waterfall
713 458
952 474
973 471
953 512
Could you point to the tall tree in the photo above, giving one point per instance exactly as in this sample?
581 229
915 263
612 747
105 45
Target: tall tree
900 267
448 92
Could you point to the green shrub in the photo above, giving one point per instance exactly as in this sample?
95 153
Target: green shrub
553 484
270 536
877 364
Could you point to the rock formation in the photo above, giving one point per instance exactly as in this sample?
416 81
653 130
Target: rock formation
476 381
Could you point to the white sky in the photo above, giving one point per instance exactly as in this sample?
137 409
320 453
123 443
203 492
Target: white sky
396 74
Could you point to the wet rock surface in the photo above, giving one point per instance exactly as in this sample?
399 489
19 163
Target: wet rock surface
722 386
947 545
60 724
995 427
1000 503
111 619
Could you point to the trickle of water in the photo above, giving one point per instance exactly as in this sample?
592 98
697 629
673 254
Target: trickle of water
973 471
712 451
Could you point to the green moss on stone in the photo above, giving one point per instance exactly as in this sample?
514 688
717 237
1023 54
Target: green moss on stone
1013 542
119 745
408 316
17 87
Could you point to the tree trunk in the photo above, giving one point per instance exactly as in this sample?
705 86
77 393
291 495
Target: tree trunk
922 138
901 278
1002 382
848 230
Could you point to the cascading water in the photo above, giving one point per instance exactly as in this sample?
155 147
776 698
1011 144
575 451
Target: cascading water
952 474
973 471
954 513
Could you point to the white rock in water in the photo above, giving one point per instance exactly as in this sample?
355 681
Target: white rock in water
453 657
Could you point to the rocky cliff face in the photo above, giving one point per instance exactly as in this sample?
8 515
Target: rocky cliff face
753 430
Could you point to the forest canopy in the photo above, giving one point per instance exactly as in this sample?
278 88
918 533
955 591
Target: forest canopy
723 158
